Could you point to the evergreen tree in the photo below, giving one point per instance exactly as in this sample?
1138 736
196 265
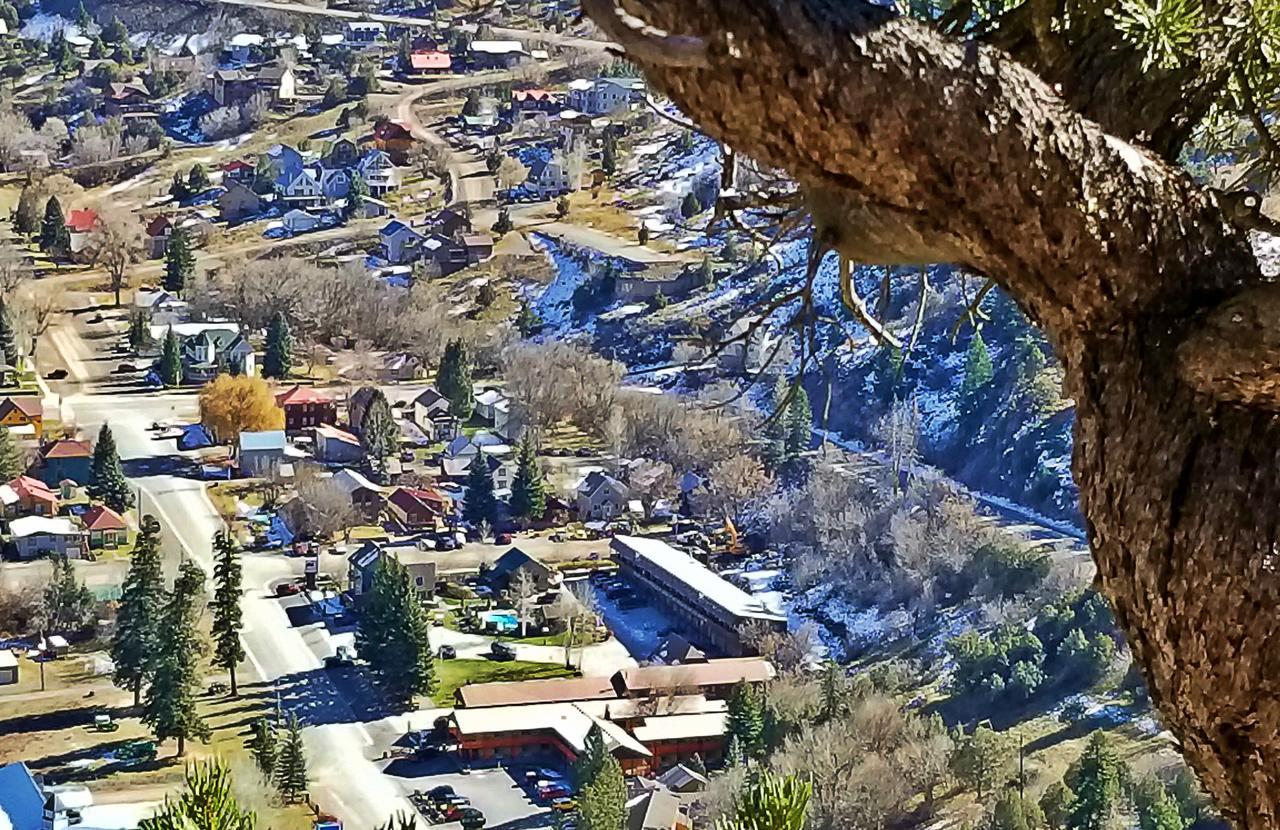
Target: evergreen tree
1096 781
481 506
887 374
696 764
609 155
68 604
486 295
835 692
356 195
291 763
745 719
503 225
690 206
170 366
207 802
528 492
179 189
198 180
590 762
115 32
264 746
107 483
454 380
179 262
799 423
137 632
979 759
1013 811
26 216
175 685
770 802
527 322
278 359
978 375
10 16
379 434
9 350
471 106
774 450
139 335
227 617
12 462
603 805
97 49
55 239
1055 804
734 756
392 634
83 19
60 53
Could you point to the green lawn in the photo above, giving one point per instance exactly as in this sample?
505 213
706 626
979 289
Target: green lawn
455 673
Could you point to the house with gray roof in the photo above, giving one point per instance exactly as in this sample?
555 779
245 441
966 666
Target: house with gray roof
261 453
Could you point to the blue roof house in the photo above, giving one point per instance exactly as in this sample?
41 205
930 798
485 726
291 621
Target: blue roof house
261 453
21 799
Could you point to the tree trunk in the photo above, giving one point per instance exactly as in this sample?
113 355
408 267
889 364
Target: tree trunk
912 148
137 694
235 691
182 747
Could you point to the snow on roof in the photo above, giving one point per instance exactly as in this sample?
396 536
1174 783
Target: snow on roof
683 569
32 525
185 330
8 496
350 481
497 47
581 84
330 431
245 39
679 727
570 721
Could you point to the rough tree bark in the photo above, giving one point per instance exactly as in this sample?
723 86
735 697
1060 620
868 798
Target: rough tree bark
1129 267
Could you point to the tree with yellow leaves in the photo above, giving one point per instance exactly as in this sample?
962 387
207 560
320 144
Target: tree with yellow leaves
231 404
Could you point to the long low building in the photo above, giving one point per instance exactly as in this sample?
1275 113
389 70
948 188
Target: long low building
713 608
553 690
714 678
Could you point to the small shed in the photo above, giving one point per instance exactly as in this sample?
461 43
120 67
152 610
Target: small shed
8 667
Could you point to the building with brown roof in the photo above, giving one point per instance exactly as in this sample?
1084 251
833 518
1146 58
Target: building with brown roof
23 416
714 678
65 459
416 508
107 529
306 406
554 690
33 498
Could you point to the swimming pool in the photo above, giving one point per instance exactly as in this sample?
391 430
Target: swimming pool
503 620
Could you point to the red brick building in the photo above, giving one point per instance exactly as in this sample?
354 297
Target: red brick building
306 407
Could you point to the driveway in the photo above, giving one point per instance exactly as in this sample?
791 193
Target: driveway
494 792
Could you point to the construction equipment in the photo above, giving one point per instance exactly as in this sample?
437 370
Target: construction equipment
104 723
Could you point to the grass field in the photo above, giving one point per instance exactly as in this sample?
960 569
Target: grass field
453 674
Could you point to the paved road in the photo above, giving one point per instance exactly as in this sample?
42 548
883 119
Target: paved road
552 38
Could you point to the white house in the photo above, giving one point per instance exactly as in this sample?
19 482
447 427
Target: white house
240 46
303 190
400 243
604 95
300 221
160 307
550 178
38 535
380 174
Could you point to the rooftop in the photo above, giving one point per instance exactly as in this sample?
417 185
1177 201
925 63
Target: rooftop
570 721
33 525
724 672
681 727
683 569
101 517
476 695
272 439
298 394
68 448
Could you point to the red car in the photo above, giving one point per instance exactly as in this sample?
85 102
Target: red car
288 589
502 539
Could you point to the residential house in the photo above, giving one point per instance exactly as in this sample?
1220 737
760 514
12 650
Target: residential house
302 190
65 460
379 171
211 351
306 406
237 170
514 565
23 416
357 404
8 677
362 564
373 208
750 347
449 223
339 153
445 252
31 497
159 307
479 247
364 32
392 137
643 285
683 780
496 54
300 221
400 366
241 46
335 184
261 453
549 178
709 607
429 62
285 162
365 496
157 232
105 527
274 85
657 810
337 446
432 414
128 100
21 797
280 82
233 87
534 100
463 445
417 508
605 95
238 203
486 401
502 472
80 224
34 536
400 243
601 496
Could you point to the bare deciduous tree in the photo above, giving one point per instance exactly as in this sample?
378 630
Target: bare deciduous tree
116 242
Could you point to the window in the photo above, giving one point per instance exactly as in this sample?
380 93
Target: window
418 581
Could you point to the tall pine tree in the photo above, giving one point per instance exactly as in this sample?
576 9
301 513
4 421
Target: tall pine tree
170 364
278 359
107 483
68 604
55 239
527 322
603 805
26 216
356 196
528 491
392 634
207 802
1096 781
745 719
481 506
774 451
264 746
137 633
12 462
978 375
9 350
291 763
379 435
454 380
227 617
179 262
799 423
171 710
591 760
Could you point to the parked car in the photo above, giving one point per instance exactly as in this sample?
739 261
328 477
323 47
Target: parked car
407 456
564 804
288 589
126 369
441 793
448 652
502 651
57 374
502 539
446 541
471 818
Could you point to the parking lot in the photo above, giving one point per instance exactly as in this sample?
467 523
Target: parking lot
632 616
499 793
